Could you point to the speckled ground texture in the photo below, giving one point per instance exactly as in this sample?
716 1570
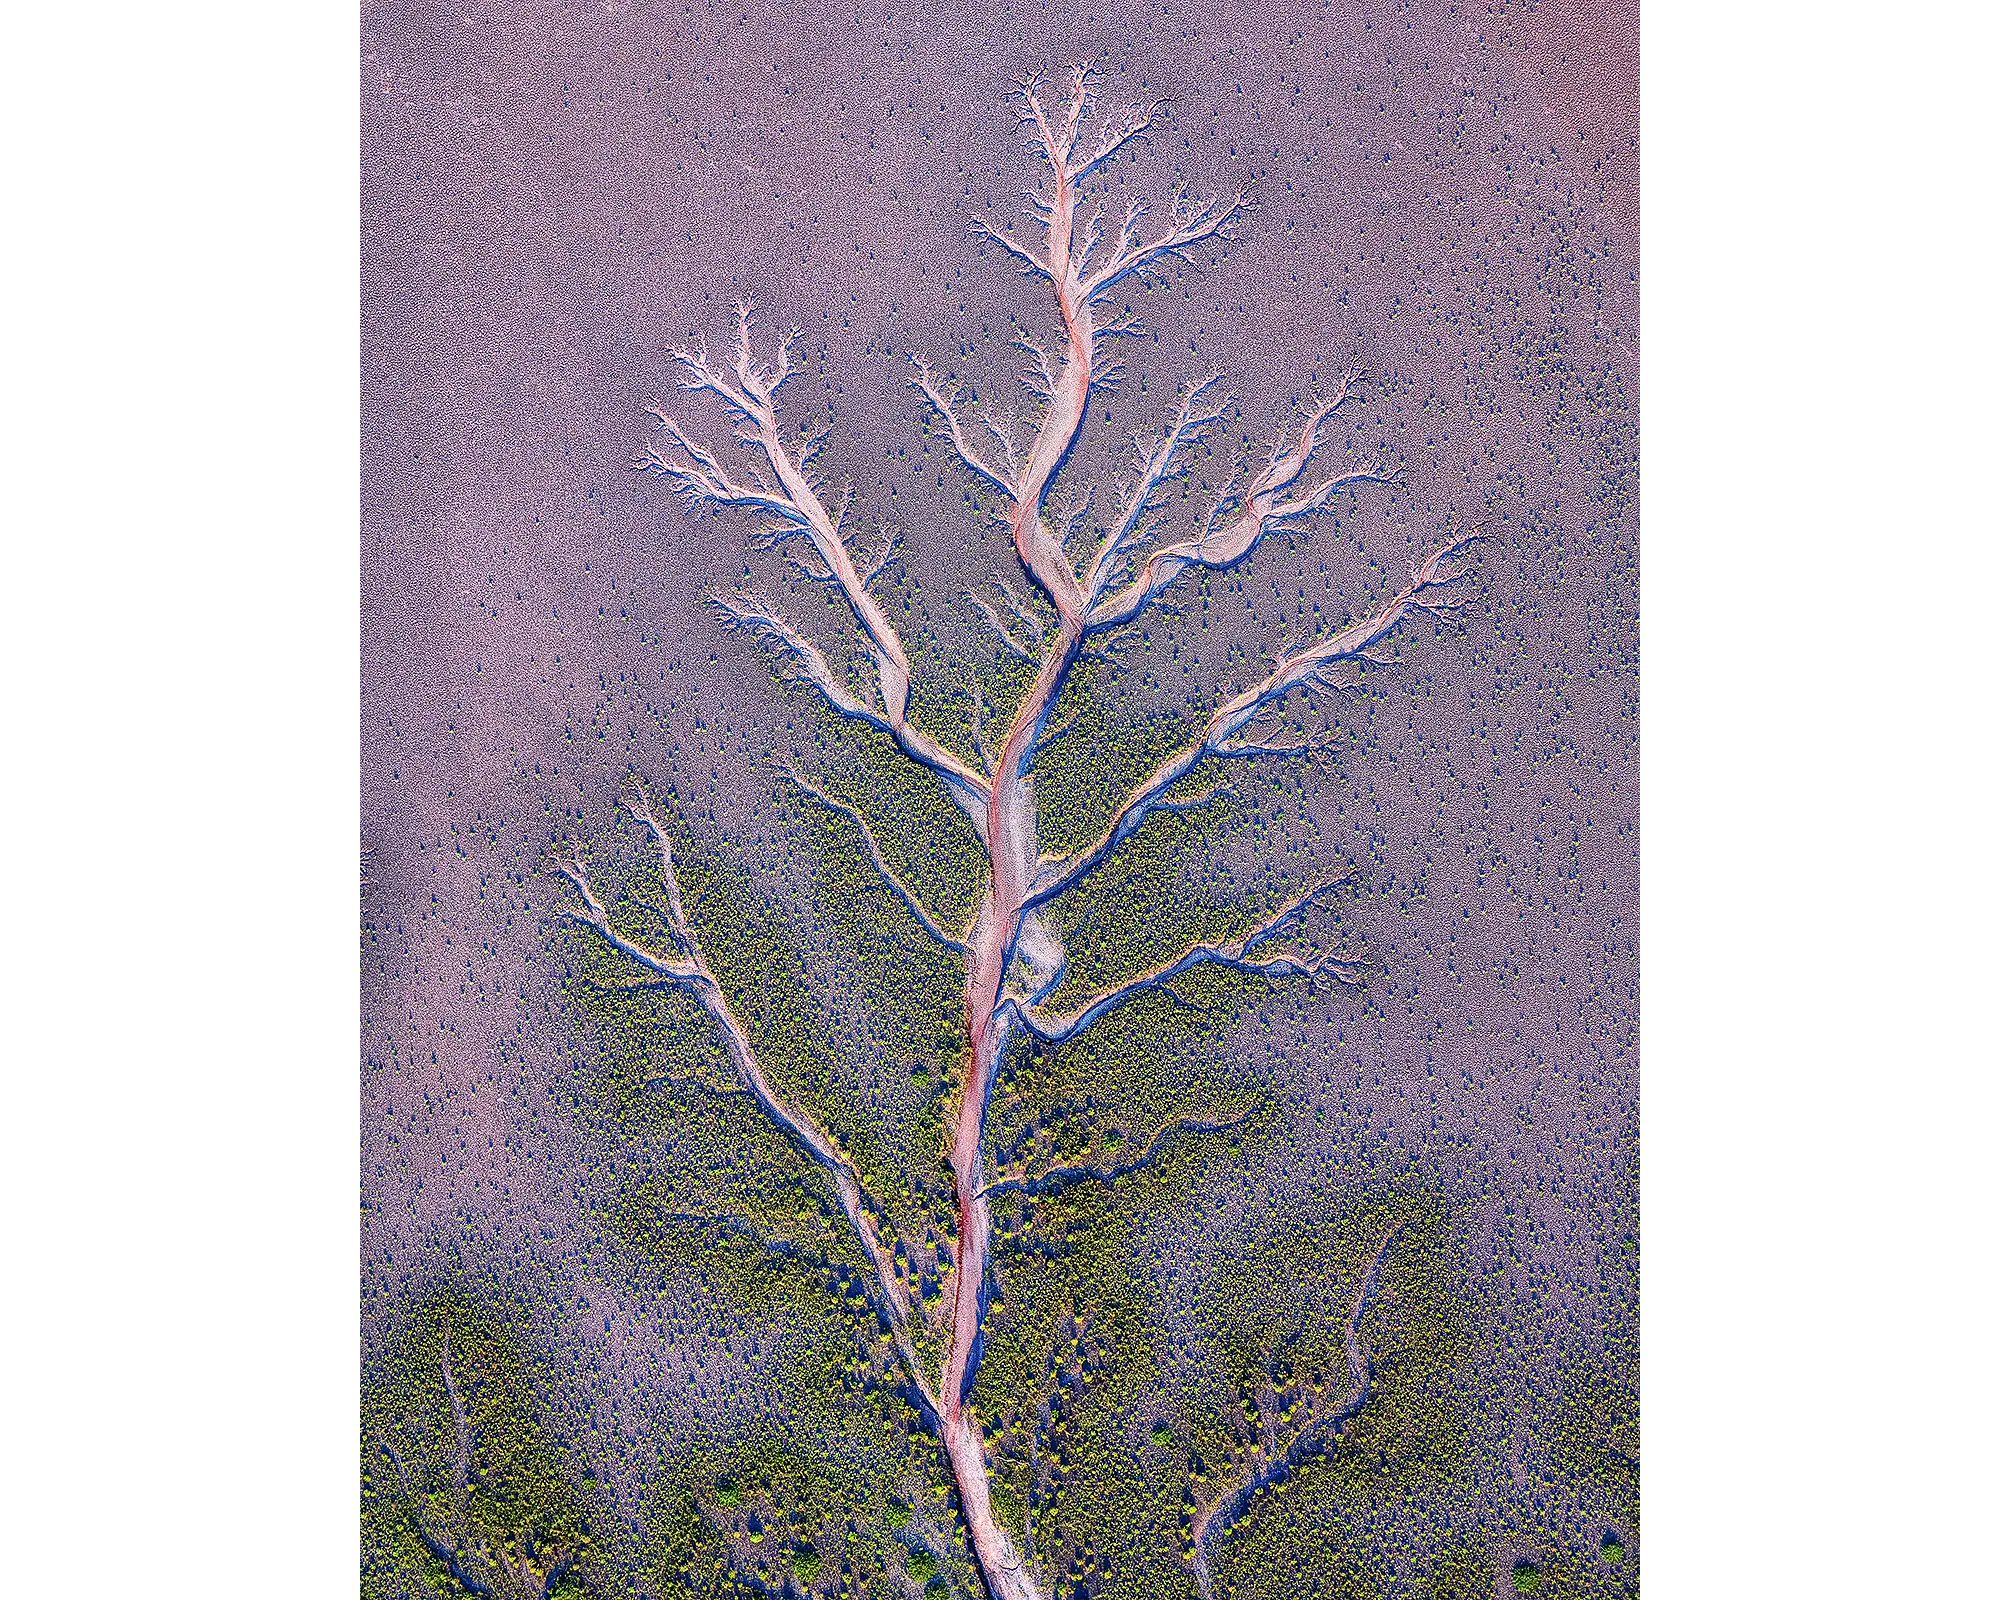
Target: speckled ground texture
1447 196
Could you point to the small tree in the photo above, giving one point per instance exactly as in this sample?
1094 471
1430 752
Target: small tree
1088 583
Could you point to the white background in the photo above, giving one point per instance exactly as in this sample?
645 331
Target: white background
181 667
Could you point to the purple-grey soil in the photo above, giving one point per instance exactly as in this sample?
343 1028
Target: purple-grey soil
1447 197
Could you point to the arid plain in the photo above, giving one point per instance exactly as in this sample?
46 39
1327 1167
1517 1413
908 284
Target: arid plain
1427 1175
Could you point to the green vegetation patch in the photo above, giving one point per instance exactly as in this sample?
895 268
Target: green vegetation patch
869 1057
460 1480
1357 1508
